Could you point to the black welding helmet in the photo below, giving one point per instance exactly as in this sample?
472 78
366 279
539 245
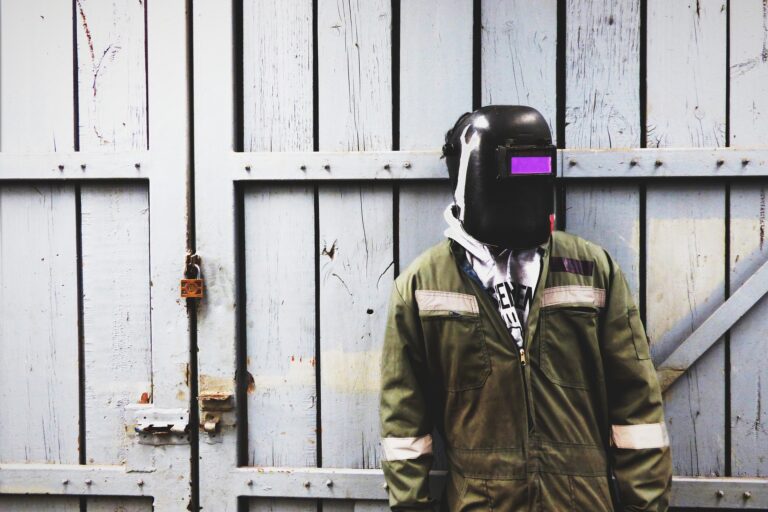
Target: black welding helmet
502 167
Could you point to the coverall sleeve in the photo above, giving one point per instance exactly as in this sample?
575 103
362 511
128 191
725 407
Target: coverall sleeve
406 425
639 441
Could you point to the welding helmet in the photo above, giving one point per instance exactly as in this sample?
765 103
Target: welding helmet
502 166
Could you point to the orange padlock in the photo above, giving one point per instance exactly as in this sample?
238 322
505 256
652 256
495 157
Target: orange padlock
193 288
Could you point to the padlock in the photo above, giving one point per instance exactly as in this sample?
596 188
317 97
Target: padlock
193 288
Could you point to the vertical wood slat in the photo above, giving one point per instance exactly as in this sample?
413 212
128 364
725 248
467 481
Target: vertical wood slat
685 225
355 98
747 127
38 281
603 111
112 88
277 75
518 61
279 241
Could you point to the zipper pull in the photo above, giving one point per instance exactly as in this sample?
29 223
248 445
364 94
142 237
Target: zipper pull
522 357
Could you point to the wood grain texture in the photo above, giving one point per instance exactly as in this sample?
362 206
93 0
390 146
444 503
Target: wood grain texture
355 75
421 218
435 69
686 73
38 329
685 250
280 331
117 343
749 73
748 125
277 75
112 86
518 61
356 273
36 107
602 74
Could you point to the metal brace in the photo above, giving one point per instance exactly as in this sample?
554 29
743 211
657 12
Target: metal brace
156 426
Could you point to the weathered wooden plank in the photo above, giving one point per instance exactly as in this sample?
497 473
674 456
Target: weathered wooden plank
686 73
38 326
685 263
421 219
20 503
519 53
117 345
277 75
280 331
356 271
355 79
36 107
112 86
435 69
602 74
748 125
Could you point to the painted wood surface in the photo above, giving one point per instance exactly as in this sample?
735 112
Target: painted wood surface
685 222
748 126
112 87
355 75
518 61
280 331
277 75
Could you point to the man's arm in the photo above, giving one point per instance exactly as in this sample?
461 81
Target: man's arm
405 423
640 445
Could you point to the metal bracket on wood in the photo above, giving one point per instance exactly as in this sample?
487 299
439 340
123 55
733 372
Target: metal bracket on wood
713 328
156 426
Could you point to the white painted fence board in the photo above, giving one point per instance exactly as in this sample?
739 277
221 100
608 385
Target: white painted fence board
355 283
685 265
277 75
421 218
686 73
38 330
280 331
602 74
112 87
519 50
36 108
355 75
749 73
435 69
21 503
117 345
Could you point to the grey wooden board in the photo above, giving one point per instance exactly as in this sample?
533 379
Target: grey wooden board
116 322
420 218
357 506
280 505
748 73
609 215
602 74
749 371
280 325
686 73
356 272
112 86
17 503
435 69
518 61
685 284
38 334
277 75
355 75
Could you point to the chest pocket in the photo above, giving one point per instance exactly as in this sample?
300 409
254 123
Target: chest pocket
455 337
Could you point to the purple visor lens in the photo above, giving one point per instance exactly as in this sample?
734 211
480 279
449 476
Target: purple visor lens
530 165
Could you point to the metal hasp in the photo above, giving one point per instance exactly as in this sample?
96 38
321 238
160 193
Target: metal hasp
156 426
212 405
192 287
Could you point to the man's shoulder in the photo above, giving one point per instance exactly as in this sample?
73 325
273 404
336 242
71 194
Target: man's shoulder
572 245
429 268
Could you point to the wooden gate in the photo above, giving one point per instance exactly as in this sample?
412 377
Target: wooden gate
316 179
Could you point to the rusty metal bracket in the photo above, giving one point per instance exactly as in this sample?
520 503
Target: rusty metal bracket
157 426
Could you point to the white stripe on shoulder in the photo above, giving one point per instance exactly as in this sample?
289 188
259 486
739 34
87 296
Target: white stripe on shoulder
436 300
404 448
572 293
638 437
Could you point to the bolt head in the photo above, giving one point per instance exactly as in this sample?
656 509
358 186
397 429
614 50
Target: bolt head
61 167
65 481
407 165
747 495
329 483
140 483
249 483
327 167
307 484
719 493
571 163
88 482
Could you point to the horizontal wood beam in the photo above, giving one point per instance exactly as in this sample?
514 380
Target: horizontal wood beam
713 327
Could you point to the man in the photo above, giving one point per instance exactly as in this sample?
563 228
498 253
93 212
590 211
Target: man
521 345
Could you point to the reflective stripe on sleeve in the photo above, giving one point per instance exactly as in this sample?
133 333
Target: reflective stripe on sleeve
403 448
638 437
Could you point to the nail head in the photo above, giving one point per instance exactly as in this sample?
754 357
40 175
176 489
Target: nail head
327 167
719 493
61 167
247 167
329 483
407 165
307 484
249 483
140 483
747 495
88 482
